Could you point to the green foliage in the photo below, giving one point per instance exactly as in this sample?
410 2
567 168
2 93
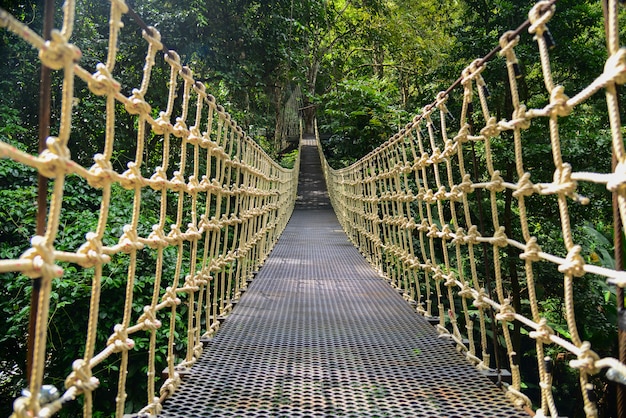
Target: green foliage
289 159
360 114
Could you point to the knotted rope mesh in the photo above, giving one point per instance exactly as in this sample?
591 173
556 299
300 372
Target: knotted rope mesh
410 206
228 199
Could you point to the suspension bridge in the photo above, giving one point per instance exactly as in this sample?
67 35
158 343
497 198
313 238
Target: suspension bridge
312 291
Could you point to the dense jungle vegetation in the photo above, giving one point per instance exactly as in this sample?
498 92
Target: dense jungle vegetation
362 69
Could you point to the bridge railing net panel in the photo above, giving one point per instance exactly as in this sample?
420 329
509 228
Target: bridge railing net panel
411 205
223 204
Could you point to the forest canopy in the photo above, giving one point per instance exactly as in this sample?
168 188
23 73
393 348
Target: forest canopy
359 68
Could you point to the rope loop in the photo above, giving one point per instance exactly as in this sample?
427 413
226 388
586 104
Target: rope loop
507 43
57 53
173 59
153 37
539 15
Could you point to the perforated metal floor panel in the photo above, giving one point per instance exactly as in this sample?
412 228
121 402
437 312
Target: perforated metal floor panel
320 334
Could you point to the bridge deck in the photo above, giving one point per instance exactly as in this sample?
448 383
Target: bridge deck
320 334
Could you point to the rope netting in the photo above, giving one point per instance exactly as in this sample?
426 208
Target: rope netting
229 200
410 206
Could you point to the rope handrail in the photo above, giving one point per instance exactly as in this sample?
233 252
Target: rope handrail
229 199
408 206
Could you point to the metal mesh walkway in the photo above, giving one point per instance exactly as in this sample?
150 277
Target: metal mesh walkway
320 334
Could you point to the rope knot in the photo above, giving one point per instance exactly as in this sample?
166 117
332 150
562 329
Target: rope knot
158 181
136 105
450 279
81 377
41 257
472 235
615 67
180 128
539 15
574 264
186 74
170 297
524 186
129 240
175 235
497 182
500 239
157 237
162 125
433 231
119 339
132 177
466 291
148 319
100 172
441 193
618 178
54 159
479 299
178 182
491 128
92 252
586 360
459 236
507 312
520 120
507 43
558 102
463 135
102 82
194 186
57 53
531 251
543 332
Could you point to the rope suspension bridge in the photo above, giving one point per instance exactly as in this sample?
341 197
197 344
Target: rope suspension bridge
312 329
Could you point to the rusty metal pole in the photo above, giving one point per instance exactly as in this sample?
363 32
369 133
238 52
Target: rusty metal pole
42 182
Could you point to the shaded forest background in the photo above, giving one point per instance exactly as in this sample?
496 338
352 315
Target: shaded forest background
362 68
